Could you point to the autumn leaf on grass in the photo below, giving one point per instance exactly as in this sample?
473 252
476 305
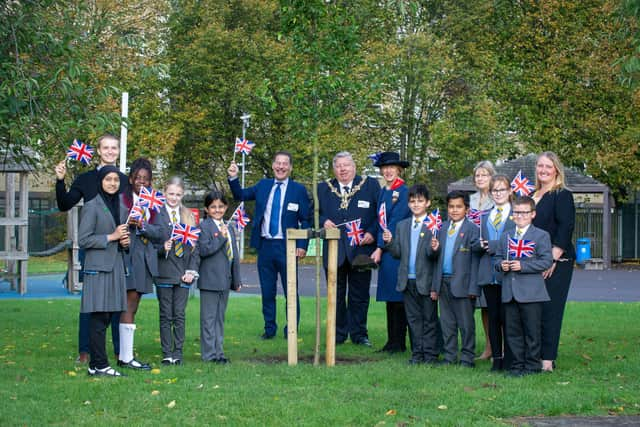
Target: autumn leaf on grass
71 373
442 407
155 371
586 356
391 412
155 392
171 404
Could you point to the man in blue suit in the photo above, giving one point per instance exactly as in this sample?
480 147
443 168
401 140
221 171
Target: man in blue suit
349 197
281 203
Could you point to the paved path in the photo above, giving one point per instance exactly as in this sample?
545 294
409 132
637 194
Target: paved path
614 285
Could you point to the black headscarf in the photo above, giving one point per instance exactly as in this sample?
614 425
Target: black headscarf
111 200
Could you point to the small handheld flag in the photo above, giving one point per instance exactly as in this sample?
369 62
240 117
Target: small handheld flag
80 151
241 217
475 216
185 234
355 234
137 213
521 185
433 221
382 216
151 199
520 248
244 146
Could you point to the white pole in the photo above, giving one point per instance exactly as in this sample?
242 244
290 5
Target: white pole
123 132
244 133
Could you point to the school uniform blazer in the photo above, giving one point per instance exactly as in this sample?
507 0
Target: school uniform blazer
170 267
527 285
400 247
466 254
96 222
140 253
486 272
215 272
296 211
363 205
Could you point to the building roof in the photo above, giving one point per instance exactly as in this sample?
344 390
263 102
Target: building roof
13 162
576 181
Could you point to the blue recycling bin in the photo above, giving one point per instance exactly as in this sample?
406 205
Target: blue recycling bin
583 250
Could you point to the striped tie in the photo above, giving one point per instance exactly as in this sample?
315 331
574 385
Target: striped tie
228 248
178 247
518 233
416 223
498 218
452 229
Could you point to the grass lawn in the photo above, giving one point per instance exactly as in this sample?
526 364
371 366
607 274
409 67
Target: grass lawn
46 265
598 374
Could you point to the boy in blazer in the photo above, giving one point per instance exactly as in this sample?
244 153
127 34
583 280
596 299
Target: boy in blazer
417 248
281 203
219 272
455 280
522 258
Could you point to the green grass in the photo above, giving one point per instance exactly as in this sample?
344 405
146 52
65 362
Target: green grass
47 265
597 374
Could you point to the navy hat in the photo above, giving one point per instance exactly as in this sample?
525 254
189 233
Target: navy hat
388 158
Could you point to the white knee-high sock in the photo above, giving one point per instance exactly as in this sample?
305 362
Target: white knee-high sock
126 341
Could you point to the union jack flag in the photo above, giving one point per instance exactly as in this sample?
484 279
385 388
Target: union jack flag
433 221
475 216
244 146
151 199
241 217
521 185
355 234
520 248
382 216
137 213
185 234
80 151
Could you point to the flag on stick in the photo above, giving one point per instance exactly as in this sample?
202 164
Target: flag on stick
80 151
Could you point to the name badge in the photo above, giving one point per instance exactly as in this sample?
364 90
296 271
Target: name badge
292 207
363 204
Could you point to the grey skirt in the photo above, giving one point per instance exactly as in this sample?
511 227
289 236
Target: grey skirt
104 291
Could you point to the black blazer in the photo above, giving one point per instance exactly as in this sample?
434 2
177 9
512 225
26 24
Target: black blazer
556 214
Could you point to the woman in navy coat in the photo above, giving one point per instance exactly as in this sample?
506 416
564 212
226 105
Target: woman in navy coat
394 196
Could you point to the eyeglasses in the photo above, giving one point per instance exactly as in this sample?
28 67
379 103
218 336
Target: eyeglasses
499 190
521 213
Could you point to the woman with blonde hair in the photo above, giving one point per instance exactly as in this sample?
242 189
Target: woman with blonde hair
555 213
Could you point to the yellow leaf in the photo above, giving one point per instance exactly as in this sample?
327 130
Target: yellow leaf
171 404
442 407
72 373
391 412
155 392
155 371
586 356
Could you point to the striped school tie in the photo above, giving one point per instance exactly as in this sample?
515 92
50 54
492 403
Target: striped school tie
416 223
452 229
178 247
518 233
498 218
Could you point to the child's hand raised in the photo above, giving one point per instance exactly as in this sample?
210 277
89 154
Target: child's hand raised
387 236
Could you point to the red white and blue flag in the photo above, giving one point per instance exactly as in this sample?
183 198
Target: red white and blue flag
355 234
151 199
520 248
244 146
475 216
137 213
382 216
240 217
80 151
521 185
185 234
433 221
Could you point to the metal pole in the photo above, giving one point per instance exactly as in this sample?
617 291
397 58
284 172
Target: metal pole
123 132
245 124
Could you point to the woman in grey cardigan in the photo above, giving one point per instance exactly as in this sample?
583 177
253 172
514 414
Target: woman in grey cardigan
104 234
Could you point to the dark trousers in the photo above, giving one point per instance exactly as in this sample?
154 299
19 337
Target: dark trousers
272 261
172 302
98 323
495 311
83 332
456 314
396 327
553 310
422 316
352 305
523 322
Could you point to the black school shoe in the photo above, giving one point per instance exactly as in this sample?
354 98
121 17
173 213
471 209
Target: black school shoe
104 372
134 364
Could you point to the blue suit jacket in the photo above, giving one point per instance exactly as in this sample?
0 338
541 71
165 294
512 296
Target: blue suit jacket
296 212
363 205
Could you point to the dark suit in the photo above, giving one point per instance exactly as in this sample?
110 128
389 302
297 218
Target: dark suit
556 213
272 255
456 307
522 295
217 277
421 310
352 320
